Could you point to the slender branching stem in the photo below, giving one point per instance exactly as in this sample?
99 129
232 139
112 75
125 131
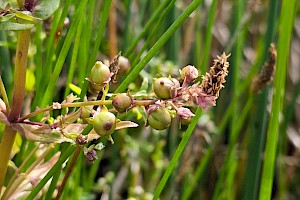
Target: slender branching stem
80 104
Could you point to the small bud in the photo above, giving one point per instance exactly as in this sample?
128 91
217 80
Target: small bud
164 87
91 155
122 102
124 65
100 74
185 115
159 119
104 123
81 139
189 73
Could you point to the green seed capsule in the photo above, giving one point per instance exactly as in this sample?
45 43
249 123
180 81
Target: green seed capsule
163 87
100 73
122 102
104 123
159 119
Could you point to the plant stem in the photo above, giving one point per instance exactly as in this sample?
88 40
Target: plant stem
68 173
20 75
80 104
18 97
66 105
6 145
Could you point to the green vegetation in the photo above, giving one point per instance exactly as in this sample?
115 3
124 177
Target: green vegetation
149 99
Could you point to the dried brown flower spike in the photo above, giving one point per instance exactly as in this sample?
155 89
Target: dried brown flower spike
267 73
114 67
213 80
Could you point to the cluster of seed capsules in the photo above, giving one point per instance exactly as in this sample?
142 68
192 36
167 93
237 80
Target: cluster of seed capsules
173 97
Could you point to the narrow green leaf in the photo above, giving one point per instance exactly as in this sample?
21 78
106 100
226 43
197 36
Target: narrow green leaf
25 15
177 154
285 33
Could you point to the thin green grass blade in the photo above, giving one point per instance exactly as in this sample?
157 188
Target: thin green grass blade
38 56
153 33
232 151
289 112
104 17
224 187
156 47
48 95
147 27
74 58
127 37
100 32
83 55
89 23
198 42
5 65
285 33
199 173
52 186
86 42
174 43
41 83
208 36
259 122
177 154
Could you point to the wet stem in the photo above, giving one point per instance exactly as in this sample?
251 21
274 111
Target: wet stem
18 97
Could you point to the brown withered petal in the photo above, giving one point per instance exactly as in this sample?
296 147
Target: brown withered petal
267 73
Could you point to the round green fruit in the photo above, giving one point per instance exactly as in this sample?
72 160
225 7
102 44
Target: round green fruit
163 87
122 102
104 123
159 119
100 73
